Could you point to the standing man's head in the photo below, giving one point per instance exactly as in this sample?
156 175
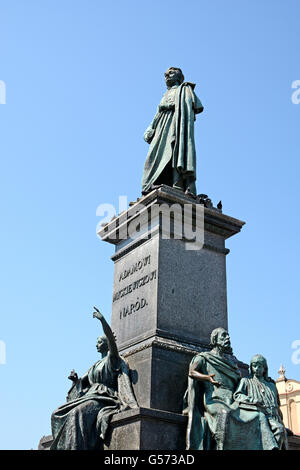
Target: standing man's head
220 338
174 76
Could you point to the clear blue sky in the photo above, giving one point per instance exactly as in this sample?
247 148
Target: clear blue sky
83 81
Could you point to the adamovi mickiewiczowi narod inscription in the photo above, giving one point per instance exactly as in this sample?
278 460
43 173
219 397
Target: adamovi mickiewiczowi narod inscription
139 302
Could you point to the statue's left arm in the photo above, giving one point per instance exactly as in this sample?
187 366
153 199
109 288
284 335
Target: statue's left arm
197 105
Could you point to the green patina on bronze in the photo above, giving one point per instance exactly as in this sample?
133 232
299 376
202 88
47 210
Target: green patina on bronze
257 394
82 423
226 412
213 378
171 159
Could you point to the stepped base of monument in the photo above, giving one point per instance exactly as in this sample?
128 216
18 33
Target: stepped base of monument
294 442
147 429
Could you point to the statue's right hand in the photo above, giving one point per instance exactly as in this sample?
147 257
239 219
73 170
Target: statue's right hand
97 314
213 381
148 136
73 376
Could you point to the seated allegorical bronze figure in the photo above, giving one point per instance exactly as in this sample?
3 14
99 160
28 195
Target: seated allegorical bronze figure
258 394
82 423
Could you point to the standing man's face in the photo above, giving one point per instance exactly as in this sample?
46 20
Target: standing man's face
171 77
223 339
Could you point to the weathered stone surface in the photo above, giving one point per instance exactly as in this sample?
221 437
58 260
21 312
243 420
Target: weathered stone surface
147 429
192 297
159 373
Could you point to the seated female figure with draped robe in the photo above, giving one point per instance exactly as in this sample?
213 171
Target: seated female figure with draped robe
82 423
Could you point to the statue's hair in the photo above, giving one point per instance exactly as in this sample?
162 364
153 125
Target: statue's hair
263 360
214 335
181 76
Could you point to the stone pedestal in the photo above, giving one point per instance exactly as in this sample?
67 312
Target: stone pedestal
145 429
294 442
167 297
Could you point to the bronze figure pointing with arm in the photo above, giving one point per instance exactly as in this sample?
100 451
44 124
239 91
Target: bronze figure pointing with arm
110 339
105 389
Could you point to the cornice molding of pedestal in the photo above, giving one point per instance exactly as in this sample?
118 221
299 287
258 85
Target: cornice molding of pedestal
214 220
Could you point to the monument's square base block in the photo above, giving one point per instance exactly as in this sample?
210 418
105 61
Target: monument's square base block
166 301
146 429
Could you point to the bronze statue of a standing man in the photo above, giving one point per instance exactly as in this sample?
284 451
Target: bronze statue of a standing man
171 159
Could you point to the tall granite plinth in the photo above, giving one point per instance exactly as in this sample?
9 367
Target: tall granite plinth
167 297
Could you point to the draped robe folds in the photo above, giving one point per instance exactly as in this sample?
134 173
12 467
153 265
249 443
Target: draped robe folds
208 405
173 140
223 417
82 422
260 400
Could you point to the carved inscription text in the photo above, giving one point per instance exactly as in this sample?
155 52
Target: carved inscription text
134 285
134 268
139 303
